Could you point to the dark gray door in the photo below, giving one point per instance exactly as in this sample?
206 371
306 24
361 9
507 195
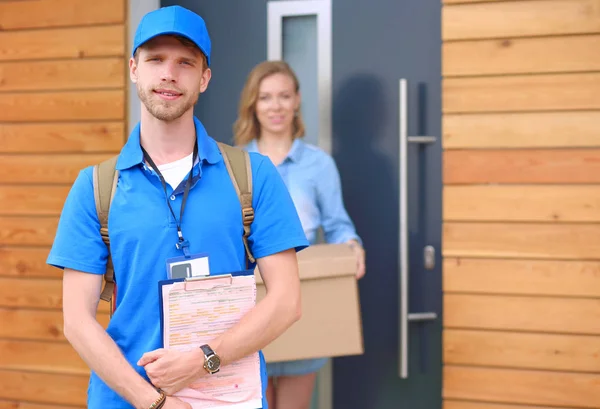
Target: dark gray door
375 43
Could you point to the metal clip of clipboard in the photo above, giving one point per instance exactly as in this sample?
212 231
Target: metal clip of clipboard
208 278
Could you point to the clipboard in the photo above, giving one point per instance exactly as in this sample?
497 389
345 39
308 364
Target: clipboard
163 283
199 309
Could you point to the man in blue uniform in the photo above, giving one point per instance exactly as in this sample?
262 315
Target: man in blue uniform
173 185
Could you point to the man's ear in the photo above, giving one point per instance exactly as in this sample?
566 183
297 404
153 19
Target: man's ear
206 76
133 70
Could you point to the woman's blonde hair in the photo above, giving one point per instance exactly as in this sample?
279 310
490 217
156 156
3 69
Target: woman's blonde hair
246 127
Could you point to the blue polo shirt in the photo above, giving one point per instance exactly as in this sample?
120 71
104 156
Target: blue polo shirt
143 234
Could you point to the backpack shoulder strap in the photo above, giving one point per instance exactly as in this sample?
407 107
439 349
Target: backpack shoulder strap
105 184
239 168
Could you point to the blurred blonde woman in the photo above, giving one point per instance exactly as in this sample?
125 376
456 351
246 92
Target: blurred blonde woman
269 122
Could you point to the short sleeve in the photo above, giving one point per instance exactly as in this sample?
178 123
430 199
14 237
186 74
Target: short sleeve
276 225
78 244
337 225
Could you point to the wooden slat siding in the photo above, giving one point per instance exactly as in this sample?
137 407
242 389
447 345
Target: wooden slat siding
25 230
457 2
29 262
462 404
525 277
63 106
578 316
80 42
522 130
540 203
36 294
63 90
36 356
527 166
27 405
63 75
569 390
521 19
521 267
564 241
17 200
521 93
19 292
62 169
577 353
61 137
40 325
59 13
44 387
522 56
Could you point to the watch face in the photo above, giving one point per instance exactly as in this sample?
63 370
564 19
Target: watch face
213 363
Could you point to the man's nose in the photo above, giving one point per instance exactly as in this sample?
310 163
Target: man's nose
168 72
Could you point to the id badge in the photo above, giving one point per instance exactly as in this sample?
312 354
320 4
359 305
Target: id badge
186 267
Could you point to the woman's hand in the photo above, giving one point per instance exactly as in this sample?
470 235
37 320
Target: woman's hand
359 252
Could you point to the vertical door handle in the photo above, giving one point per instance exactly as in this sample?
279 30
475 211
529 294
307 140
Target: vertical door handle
405 316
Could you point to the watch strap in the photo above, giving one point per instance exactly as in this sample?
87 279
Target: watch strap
208 351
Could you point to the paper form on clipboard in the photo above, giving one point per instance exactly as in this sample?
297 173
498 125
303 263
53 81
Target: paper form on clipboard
195 311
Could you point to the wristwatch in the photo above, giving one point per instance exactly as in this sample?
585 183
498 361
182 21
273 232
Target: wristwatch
212 362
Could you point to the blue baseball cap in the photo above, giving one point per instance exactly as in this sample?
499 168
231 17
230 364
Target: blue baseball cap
173 20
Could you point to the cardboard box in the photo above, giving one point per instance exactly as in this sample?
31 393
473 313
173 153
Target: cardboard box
331 322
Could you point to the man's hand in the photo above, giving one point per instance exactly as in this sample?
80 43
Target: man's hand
174 403
359 252
171 370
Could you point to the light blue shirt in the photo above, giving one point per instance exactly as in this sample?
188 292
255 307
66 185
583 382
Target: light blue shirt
143 235
313 180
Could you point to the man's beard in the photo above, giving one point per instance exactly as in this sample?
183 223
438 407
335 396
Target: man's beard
165 110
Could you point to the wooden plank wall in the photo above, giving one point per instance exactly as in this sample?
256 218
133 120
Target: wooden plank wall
62 107
521 244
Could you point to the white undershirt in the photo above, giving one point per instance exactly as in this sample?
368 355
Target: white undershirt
175 172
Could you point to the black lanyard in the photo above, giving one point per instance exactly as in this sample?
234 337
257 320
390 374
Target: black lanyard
182 244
